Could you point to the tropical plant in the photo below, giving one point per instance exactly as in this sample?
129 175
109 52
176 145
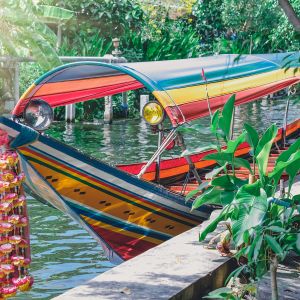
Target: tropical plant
174 40
264 227
23 32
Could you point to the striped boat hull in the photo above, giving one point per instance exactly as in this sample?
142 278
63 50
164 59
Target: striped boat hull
126 214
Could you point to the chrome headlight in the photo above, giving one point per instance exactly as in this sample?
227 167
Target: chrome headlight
38 114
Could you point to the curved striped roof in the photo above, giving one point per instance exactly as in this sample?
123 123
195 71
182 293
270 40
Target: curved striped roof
177 84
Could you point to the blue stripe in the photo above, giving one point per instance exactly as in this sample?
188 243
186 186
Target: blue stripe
117 223
147 186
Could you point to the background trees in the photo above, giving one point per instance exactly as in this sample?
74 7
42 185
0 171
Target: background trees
148 29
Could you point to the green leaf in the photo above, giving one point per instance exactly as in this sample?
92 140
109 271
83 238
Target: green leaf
263 149
235 273
223 158
213 225
258 207
233 144
281 165
191 194
221 293
252 136
215 121
214 172
226 117
213 196
257 247
199 150
48 12
297 245
277 229
241 162
274 245
228 182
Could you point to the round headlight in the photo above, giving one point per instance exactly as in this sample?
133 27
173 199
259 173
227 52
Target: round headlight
38 114
153 113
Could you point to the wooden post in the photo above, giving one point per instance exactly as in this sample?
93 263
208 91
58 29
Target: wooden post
124 103
108 111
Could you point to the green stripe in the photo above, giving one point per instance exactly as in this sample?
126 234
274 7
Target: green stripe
109 193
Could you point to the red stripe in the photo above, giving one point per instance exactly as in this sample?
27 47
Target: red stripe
53 162
125 246
79 96
198 109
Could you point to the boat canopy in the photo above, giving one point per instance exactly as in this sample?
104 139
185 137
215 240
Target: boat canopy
179 85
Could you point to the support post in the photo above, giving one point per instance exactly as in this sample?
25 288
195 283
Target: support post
143 100
59 36
108 111
124 103
70 113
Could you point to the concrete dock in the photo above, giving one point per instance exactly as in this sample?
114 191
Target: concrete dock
180 268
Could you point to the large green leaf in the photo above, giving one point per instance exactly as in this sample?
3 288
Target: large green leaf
223 158
213 195
285 155
233 144
49 13
213 224
215 121
263 149
274 245
228 182
226 117
258 207
214 172
282 165
252 136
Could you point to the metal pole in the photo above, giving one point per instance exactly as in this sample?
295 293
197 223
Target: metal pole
157 169
188 159
159 151
285 120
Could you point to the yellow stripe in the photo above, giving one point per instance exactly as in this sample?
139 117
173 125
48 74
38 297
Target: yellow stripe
120 231
193 93
27 92
65 186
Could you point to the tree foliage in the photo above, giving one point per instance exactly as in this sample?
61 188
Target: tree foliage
245 26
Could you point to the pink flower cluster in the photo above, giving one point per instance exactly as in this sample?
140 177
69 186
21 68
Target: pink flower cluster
14 227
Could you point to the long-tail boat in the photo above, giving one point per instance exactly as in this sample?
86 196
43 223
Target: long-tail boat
132 208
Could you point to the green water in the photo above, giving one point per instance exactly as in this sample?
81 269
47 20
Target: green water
63 254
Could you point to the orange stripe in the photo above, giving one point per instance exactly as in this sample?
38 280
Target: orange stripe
83 84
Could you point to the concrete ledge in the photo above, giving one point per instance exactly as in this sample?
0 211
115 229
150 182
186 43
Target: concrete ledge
180 268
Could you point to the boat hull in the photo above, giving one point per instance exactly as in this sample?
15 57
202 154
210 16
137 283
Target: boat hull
125 214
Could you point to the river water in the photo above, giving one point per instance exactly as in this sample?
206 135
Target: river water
63 254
